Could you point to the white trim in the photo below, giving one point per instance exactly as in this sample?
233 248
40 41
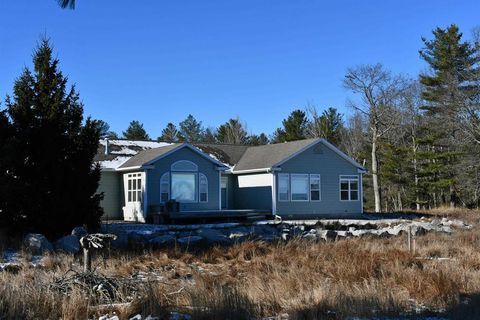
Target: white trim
251 170
349 190
287 175
135 168
145 194
308 183
274 193
165 174
329 145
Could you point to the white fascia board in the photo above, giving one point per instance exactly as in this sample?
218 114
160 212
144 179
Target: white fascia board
135 168
252 171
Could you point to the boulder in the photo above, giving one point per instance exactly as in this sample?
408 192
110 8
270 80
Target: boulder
37 243
79 232
121 241
214 236
190 240
162 240
327 234
68 244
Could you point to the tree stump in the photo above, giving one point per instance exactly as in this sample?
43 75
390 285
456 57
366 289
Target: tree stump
91 242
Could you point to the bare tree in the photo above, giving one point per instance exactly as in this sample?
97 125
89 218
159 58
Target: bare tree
379 91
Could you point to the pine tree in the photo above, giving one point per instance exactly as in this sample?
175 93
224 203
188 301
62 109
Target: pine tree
295 126
232 132
191 130
257 140
328 125
448 90
135 131
52 175
169 134
209 136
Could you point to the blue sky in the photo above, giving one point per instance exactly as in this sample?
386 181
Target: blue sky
157 61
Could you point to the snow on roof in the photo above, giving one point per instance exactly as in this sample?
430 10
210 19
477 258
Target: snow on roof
119 151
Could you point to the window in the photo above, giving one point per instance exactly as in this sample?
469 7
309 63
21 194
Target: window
315 187
283 187
134 187
349 188
184 165
165 187
183 186
299 185
202 187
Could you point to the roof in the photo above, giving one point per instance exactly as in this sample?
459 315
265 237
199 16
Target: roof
124 154
121 150
229 154
266 156
147 157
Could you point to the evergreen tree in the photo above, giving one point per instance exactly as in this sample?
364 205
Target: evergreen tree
135 131
232 132
257 140
328 125
209 136
104 129
295 126
191 130
53 179
278 136
169 134
449 89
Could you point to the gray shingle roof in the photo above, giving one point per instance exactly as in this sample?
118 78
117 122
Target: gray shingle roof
268 155
229 154
148 155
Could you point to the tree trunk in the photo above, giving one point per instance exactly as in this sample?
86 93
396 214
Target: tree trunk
87 260
376 188
415 172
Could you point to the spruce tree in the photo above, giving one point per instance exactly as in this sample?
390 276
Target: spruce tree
135 131
295 126
52 174
191 130
232 132
169 134
257 140
449 88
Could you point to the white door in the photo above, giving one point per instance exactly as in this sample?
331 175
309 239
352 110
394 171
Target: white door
134 186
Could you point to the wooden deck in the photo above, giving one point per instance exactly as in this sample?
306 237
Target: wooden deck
212 216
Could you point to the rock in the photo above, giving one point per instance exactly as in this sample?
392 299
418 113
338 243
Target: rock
214 236
327 234
68 244
79 232
137 238
190 240
310 236
37 243
162 240
238 233
121 241
13 268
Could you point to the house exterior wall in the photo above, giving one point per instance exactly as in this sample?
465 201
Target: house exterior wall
319 159
208 168
111 185
253 191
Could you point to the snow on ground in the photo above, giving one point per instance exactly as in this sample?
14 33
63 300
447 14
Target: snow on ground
13 258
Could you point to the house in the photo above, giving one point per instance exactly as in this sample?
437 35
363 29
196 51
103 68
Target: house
299 179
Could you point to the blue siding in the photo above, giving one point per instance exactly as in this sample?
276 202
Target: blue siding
320 159
205 166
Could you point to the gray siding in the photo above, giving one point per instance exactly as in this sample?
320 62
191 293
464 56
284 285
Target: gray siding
321 160
259 197
111 186
204 166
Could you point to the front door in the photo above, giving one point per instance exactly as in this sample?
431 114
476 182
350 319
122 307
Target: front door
224 192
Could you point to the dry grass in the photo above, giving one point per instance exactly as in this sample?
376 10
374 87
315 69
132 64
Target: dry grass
362 277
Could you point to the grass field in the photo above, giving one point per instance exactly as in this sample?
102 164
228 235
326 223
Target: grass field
297 279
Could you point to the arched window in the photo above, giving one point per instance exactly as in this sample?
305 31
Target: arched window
165 187
184 165
202 187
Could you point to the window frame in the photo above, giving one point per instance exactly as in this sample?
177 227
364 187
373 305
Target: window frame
319 186
134 178
165 176
195 184
305 175
349 179
200 176
287 176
